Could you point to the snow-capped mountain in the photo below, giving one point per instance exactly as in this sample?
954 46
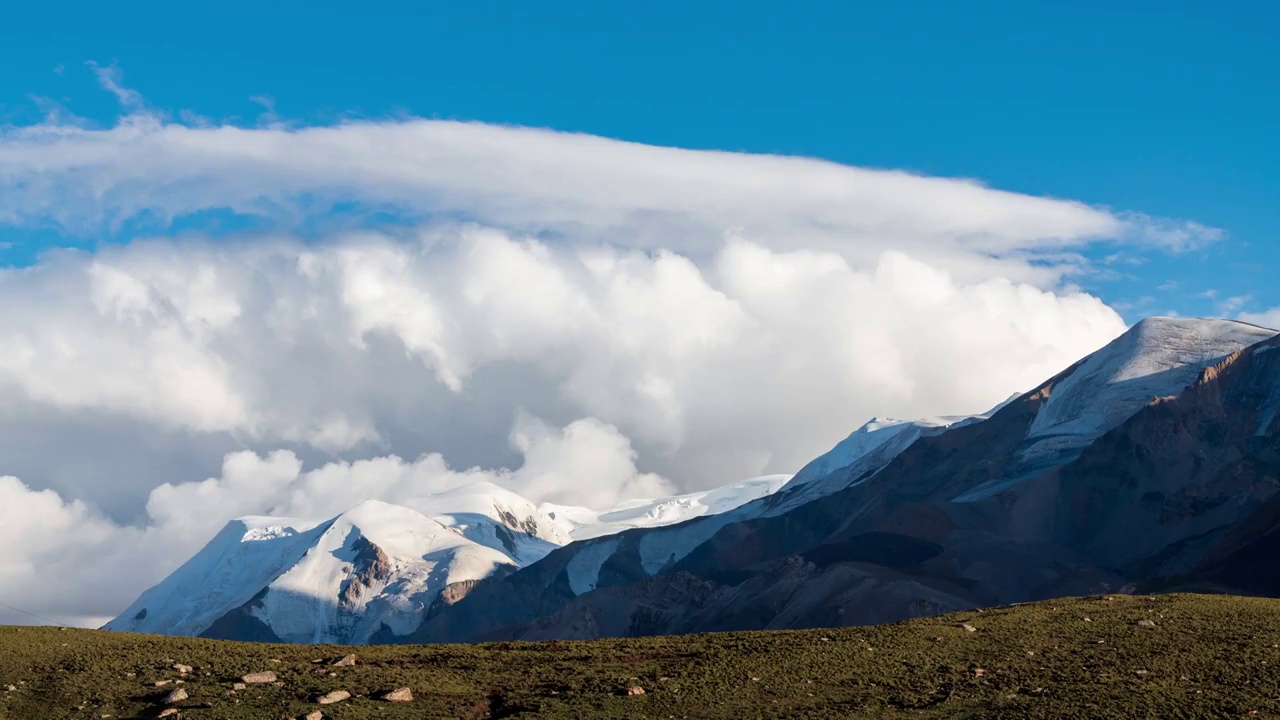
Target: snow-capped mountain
1157 358
584 523
371 571
495 517
374 572
1152 463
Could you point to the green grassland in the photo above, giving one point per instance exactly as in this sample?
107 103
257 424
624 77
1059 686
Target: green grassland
1209 656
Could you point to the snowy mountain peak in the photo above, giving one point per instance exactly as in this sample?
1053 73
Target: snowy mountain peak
369 571
496 517
1157 357
584 523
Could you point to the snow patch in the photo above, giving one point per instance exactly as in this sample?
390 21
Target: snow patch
584 568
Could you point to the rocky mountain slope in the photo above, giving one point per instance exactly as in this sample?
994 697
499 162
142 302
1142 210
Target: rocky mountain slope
1154 462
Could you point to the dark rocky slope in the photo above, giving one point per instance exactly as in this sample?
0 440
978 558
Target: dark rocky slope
1180 491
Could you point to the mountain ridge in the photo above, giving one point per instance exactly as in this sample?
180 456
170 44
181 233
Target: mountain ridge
912 525
1110 476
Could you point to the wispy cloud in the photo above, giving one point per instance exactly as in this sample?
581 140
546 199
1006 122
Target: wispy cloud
151 169
112 80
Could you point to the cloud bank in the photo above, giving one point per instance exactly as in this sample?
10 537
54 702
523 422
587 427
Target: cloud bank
1268 318
311 316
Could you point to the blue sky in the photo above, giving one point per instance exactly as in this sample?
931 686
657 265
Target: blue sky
1166 108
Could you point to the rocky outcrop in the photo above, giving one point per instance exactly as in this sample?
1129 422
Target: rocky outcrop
370 570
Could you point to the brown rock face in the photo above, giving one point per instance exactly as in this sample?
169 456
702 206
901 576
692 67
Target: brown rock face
370 567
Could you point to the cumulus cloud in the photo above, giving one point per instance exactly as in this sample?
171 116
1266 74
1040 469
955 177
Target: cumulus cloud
79 567
588 319
748 364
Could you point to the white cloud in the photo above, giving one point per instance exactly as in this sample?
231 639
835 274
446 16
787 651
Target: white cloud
1268 318
77 567
581 187
112 80
652 318
52 565
349 344
1233 304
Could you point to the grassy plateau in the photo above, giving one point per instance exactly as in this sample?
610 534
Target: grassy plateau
1166 656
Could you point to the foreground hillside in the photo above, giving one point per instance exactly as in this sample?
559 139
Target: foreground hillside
1113 656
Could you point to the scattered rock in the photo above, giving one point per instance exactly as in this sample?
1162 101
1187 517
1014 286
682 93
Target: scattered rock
403 694
336 696
278 683
11 688
160 683
1146 623
979 672
635 690
168 712
183 669
345 661
1141 672
238 686
259 677
314 715
176 696
968 628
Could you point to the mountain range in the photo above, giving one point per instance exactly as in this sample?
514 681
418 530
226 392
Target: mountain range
1152 464
373 573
